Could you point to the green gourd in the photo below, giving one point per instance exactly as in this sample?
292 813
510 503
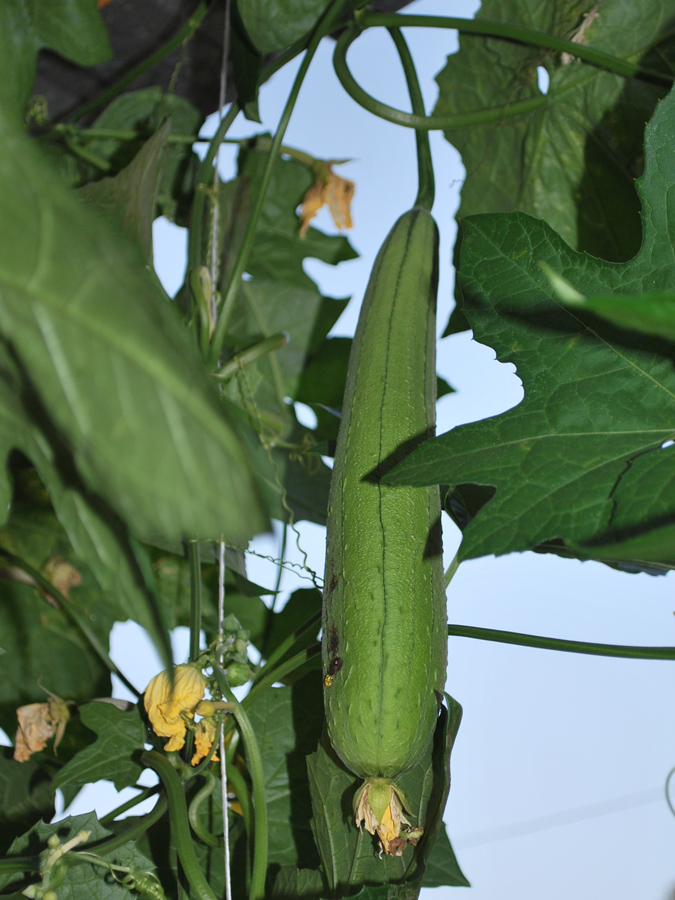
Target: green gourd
384 610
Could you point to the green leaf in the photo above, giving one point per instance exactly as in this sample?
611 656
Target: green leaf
111 366
43 648
274 25
72 28
247 65
652 313
93 533
301 605
121 736
571 162
291 883
26 796
145 111
128 199
580 458
287 723
442 866
322 385
280 296
83 881
349 856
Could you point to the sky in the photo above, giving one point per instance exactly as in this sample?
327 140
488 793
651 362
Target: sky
559 767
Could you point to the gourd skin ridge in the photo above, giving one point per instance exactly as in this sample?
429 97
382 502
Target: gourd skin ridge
384 618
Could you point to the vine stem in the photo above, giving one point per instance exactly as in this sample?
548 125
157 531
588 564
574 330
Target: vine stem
194 565
230 295
255 767
124 807
67 608
425 167
412 120
488 29
280 651
180 824
546 643
281 671
135 831
518 33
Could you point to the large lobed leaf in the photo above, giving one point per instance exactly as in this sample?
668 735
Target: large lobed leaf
83 881
25 796
581 458
572 161
120 739
103 356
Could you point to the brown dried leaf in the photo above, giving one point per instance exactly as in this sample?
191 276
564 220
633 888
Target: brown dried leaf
35 729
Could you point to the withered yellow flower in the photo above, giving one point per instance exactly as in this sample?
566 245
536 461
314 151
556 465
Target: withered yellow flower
166 707
378 806
38 722
205 735
332 190
35 729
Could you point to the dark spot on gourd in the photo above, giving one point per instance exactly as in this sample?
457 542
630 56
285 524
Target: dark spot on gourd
333 641
335 665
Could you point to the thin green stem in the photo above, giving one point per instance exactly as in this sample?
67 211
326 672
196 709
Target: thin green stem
67 608
545 643
251 355
259 141
203 794
280 571
110 93
205 177
180 825
411 120
668 800
124 807
135 831
243 794
283 648
451 570
369 19
269 677
195 598
92 158
255 767
327 21
425 167
10 864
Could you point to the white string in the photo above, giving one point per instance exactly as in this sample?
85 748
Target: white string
215 249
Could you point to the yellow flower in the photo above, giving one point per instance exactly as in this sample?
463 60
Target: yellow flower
205 735
378 805
166 707
331 190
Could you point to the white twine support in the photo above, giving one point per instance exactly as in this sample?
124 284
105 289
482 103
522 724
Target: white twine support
223 763
215 250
